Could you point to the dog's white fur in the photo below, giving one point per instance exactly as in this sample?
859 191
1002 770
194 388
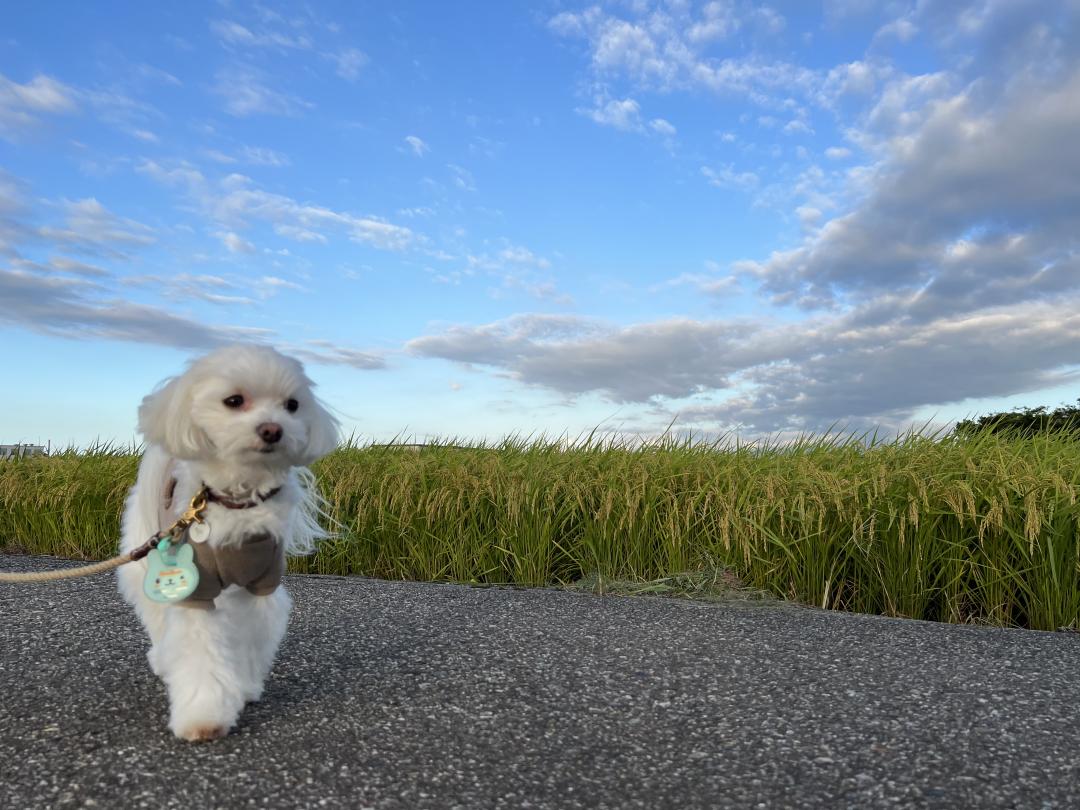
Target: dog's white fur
214 661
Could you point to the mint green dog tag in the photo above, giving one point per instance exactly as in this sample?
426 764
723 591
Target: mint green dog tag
171 574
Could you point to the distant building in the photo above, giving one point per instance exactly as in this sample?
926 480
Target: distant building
20 450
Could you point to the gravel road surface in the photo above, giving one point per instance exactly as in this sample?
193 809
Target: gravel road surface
403 695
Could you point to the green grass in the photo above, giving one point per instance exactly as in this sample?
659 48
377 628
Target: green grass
983 529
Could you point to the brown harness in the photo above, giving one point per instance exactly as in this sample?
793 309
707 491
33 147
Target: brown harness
256 564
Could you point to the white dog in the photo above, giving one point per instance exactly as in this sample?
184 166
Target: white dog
239 425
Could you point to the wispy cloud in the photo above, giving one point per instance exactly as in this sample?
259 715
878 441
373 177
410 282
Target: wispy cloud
969 185
22 106
235 201
235 243
230 32
798 376
245 92
418 146
663 47
250 155
462 177
727 177
517 268
261 156
349 63
91 228
624 114
68 308
330 353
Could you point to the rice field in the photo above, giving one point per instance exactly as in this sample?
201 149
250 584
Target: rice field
982 529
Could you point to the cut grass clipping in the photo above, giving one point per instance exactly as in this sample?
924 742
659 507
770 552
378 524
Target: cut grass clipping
981 529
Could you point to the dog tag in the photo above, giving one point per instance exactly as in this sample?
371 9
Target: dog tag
171 574
199 532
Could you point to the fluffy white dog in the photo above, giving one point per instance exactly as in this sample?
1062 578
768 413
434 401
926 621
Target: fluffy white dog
240 425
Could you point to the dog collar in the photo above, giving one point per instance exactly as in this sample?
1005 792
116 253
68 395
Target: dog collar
229 501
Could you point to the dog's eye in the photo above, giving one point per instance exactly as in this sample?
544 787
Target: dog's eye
291 405
235 401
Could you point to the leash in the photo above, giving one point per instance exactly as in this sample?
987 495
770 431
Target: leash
194 514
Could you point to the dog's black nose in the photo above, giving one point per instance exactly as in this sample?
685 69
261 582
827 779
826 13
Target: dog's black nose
269 432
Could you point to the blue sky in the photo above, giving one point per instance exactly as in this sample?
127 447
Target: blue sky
479 219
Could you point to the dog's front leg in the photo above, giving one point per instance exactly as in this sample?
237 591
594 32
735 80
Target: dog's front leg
151 614
202 672
258 624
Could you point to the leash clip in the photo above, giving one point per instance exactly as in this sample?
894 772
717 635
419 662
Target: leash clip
194 513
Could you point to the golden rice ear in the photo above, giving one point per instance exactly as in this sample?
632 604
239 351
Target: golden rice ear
165 420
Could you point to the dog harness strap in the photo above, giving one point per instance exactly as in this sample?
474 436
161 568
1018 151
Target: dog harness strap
166 513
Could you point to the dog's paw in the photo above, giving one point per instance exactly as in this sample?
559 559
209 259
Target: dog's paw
206 713
202 733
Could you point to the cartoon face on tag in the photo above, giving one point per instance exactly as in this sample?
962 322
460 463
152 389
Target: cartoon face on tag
171 574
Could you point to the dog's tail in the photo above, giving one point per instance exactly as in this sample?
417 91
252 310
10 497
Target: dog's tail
310 518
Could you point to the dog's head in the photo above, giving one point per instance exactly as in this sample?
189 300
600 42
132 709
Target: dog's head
242 404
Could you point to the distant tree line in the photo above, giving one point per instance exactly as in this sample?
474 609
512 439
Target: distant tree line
1025 422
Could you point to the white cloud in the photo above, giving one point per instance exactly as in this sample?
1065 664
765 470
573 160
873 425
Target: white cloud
462 177
727 177
235 243
622 114
517 268
796 126
298 234
245 92
261 156
211 289
664 48
234 202
91 228
809 217
417 145
349 63
706 283
996 171
793 376
219 157
515 254
902 29
69 308
230 32
417 211
252 155
719 21
22 105
331 353
573 355
837 153
66 265
662 127
274 284
769 20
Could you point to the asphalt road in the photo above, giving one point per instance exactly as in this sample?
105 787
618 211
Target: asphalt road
401 695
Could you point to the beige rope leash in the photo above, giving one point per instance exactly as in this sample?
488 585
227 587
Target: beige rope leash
194 514
71 573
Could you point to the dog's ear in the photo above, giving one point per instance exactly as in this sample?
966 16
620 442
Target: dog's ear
165 420
323 433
